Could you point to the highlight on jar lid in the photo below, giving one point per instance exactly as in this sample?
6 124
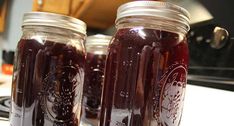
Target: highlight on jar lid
98 40
162 10
54 20
97 43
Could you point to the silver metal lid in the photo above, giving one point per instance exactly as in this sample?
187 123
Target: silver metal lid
158 9
98 40
54 20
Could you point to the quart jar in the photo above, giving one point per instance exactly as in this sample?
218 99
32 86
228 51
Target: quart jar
146 67
48 71
96 48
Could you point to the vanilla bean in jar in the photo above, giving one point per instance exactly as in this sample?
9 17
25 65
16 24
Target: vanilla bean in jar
96 50
146 66
48 71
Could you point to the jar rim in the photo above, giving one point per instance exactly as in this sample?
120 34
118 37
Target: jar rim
54 20
98 40
163 10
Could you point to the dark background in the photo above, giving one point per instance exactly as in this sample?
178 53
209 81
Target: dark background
223 12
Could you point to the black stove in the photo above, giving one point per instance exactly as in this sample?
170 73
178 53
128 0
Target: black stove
5 103
211 57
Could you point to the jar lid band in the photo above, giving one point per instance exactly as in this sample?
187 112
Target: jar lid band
164 10
54 20
98 40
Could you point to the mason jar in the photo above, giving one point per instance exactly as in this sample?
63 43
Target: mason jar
146 67
48 71
96 48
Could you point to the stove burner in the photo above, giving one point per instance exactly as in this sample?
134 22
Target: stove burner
5 103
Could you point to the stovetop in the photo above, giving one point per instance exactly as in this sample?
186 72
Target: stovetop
5 107
213 77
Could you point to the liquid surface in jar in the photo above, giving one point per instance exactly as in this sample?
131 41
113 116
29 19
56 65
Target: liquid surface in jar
145 78
47 84
93 85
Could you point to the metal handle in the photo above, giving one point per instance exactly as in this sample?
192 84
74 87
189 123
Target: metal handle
40 4
220 38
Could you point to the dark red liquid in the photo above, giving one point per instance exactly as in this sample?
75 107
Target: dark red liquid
93 84
47 84
145 78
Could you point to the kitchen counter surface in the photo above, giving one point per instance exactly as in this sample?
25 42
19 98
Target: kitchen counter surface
203 106
208 107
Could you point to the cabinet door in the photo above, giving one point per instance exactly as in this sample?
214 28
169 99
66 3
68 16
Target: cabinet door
3 11
100 13
54 6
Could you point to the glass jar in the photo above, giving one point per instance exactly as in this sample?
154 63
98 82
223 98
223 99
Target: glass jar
96 47
146 67
48 71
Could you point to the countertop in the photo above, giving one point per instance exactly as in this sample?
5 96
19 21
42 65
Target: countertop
208 107
203 106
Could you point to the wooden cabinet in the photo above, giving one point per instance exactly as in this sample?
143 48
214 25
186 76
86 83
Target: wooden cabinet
101 13
54 6
96 13
3 12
